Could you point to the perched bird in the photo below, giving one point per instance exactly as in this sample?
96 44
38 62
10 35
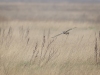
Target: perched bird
64 32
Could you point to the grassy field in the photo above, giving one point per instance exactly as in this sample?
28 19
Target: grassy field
27 46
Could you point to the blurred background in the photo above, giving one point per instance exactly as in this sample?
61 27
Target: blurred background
50 10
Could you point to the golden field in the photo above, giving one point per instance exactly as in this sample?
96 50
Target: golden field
27 46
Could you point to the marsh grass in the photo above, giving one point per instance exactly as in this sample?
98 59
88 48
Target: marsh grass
97 48
25 55
46 52
26 46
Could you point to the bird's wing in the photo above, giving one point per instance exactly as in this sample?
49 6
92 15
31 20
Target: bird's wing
70 29
64 31
57 35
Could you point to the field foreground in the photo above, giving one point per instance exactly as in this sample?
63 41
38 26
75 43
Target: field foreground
27 48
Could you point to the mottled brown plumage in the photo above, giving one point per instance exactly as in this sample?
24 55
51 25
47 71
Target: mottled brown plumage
64 32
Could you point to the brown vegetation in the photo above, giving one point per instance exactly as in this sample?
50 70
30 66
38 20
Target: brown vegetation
2 18
26 46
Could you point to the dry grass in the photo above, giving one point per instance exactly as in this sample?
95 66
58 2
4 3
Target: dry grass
26 47
23 50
